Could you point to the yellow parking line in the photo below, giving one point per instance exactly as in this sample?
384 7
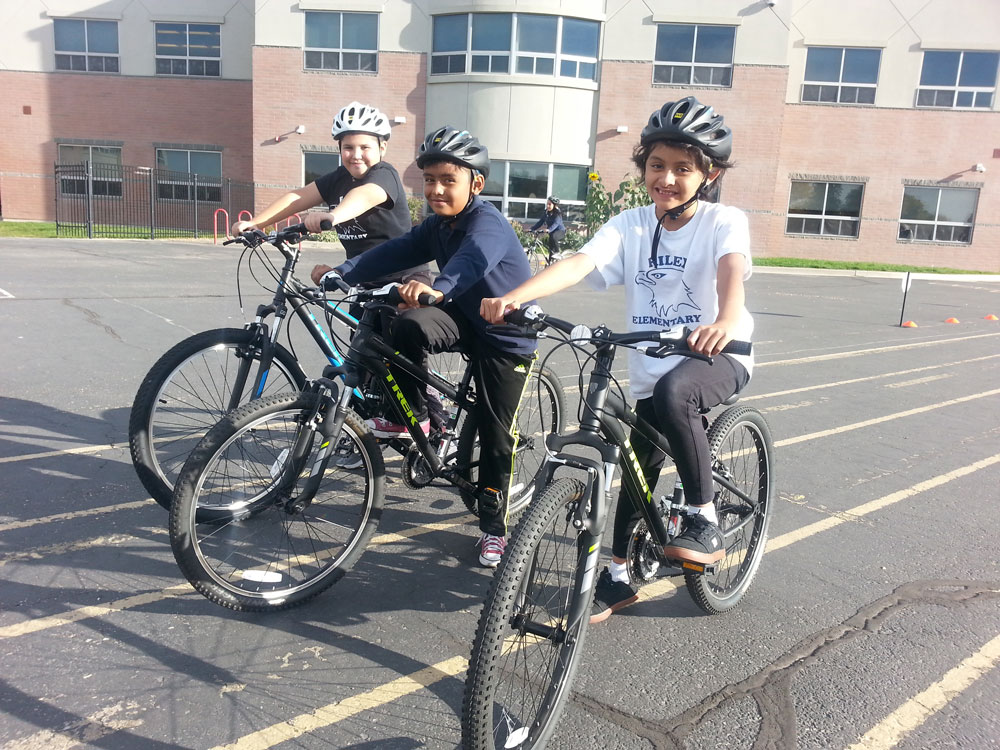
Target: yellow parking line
332 713
894 727
61 452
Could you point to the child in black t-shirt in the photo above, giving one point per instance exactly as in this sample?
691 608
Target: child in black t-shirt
365 195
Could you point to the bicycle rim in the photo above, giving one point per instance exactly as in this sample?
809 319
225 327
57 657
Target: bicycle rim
196 395
741 443
237 536
526 649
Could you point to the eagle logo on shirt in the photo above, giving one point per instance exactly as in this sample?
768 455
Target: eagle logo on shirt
649 280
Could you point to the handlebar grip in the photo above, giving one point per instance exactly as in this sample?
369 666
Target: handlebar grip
427 299
744 348
326 225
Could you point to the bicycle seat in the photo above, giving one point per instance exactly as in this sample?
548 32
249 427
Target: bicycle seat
728 402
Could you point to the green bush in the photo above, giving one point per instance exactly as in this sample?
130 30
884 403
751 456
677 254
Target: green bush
416 206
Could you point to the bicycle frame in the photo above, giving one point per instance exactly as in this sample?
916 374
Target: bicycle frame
601 429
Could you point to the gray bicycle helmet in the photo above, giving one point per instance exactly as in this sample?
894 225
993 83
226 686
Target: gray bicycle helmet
689 121
553 200
454 145
360 118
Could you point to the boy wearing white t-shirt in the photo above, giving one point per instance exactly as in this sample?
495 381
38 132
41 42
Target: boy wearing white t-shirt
683 262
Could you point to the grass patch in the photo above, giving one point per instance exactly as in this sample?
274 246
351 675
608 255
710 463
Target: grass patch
849 265
27 229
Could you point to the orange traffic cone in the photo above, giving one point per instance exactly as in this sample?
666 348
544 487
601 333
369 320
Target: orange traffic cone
951 320
991 317
909 324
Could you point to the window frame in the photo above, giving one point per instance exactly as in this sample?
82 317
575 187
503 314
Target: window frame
823 217
505 199
840 84
342 50
692 64
107 180
306 152
512 54
86 54
187 57
160 181
936 223
957 89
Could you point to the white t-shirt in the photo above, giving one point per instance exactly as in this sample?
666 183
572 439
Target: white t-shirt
679 288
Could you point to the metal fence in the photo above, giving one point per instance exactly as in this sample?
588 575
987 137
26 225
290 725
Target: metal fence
112 200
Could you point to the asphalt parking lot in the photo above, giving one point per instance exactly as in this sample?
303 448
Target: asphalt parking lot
874 621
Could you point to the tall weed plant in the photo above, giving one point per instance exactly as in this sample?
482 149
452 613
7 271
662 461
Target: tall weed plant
602 203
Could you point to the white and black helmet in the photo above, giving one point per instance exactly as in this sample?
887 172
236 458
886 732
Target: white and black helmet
689 121
360 118
454 145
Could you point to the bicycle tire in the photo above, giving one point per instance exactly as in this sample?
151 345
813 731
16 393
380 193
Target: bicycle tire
258 554
518 683
192 383
742 451
542 412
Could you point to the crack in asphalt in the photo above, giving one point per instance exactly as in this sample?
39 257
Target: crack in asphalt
93 317
770 688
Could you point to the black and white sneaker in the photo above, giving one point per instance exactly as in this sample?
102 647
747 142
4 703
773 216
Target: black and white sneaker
610 596
701 541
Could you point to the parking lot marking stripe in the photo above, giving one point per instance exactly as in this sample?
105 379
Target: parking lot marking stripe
60 452
264 739
75 514
851 381
883 502
912 714
332 713
875 350
880 420
84 613
6 295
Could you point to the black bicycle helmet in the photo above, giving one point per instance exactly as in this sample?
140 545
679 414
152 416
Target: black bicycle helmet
454 145
690 121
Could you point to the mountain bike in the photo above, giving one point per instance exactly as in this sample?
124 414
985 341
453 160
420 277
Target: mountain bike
194 384
537 251
262 519
531 633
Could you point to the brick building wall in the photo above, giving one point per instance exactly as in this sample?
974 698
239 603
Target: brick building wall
133 111
286 96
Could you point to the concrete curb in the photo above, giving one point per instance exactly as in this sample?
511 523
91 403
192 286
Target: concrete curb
877 274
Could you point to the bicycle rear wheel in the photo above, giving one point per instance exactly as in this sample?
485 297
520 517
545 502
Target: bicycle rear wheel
249 544
541 412
742 449
187 391
527 649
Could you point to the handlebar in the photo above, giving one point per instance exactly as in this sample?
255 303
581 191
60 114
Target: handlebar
291 234
529 321
389 292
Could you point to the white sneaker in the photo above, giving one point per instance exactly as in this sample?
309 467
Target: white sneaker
491 550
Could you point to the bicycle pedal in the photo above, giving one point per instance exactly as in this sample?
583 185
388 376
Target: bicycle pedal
694 567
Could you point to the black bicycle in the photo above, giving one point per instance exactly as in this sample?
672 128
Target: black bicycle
194 384
262 519
530 637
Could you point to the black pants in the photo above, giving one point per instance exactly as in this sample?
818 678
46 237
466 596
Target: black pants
674 409
500 381
554 238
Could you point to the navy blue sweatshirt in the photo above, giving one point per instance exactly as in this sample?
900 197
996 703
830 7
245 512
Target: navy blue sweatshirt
552 220
478 254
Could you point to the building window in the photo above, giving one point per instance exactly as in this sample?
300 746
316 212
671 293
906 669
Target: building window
539 45
176 171
694 55
315 164
341 41
519 188
90 46
831 209
188 49
841 75
105 166
932 214
959 80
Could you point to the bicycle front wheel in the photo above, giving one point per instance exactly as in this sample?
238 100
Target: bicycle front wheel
528 646
187 391
541 412
241 530
742 453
